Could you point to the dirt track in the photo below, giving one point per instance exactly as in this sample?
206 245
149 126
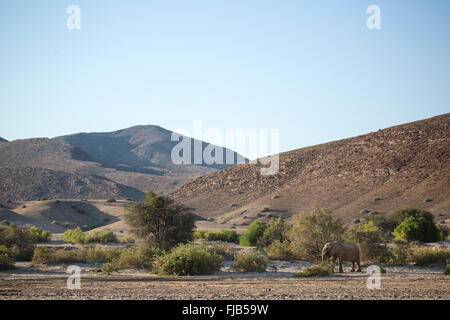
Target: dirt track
397 283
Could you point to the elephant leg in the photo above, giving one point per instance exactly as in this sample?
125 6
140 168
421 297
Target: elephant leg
353 266
340 266
359 266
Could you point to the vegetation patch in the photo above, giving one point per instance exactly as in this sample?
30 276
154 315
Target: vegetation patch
315 271
253 234
160 221
250 261
221 235
188 260
39 235
98 236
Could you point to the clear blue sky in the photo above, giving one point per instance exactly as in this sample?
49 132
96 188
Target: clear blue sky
310 68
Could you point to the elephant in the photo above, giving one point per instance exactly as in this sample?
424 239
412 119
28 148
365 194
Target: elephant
343 251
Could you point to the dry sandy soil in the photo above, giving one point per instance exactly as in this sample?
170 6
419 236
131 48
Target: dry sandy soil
405 282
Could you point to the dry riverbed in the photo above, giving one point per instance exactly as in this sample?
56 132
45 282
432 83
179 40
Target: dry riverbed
406 282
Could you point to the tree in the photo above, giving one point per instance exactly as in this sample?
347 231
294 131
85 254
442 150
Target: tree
160 221
254 232
311 231
417 229
277 229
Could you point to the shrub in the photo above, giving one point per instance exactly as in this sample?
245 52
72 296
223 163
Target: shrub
254 232
75 236
315 271
277 229
108 268
110 200
400 252
160 221
427 200
128 239
250 261
430 256
222 235
278 250
43 256
39 235
186 259
94 253
417 229
376 199
356 221
138 257
6 262
90 254
200 234
311 231
18 241
222 249
400 215
98 236
367 235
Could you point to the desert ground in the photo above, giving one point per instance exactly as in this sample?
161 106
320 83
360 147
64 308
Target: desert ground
406 282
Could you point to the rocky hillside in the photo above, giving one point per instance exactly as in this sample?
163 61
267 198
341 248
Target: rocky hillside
406 165
26 183
137 157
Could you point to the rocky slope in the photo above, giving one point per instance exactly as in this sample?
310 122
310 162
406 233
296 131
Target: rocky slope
384 170
27 183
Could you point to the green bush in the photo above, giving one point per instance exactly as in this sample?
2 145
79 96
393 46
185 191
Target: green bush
250 261
186 259
128 239
18 241
98 236
276 230
74 236
254 232
111 200
138 257
39 235
221 235
278 250
90 254
6 262
315 271
417 229
43 256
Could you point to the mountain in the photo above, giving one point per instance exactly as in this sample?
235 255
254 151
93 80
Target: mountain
137 157
379 171
3 140
27 183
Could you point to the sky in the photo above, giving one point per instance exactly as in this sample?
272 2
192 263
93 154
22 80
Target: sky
311 69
